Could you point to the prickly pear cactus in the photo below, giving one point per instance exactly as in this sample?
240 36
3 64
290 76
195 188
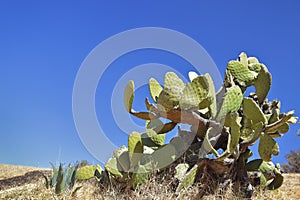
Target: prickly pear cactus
223 126
87 172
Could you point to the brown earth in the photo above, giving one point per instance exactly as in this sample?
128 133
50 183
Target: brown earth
20 182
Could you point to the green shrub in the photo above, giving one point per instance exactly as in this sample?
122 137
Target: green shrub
293 165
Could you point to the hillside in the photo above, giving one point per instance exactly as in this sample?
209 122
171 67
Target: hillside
20 182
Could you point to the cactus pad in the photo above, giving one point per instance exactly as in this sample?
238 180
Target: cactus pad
267 147
263 83
194 93
235 126
188 180
155 89
231 102
87 172
112 167
129 95
276 183
181 171
253 112
135 148
241 72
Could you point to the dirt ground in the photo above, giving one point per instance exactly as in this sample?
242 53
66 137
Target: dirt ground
21 182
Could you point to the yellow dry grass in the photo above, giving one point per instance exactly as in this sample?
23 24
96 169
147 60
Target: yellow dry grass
92 190
8 171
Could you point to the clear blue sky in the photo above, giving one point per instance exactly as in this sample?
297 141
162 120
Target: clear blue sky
43 43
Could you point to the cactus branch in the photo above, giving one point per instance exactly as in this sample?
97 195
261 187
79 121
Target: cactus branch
271 128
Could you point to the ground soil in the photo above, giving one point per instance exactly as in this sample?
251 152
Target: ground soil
20 182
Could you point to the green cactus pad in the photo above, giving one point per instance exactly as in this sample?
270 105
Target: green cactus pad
265 168
284 118
157 139
260 165
151 124
123 161
179 145
276 183
235 127
252 111
194 93
241 72
262 83
174 84
275 116
112 167
243 59
181 170
167 101
267 146
212 96
87 172
169 97
117 152
164 156
135 148
256 67
188 180
231 103
258 128
155 89
129 95
284 128
206 143
247 128
292 120
252 60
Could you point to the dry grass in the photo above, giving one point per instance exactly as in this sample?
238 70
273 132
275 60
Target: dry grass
8 171
153 190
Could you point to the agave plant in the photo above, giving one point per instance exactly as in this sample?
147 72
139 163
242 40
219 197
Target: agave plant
63 179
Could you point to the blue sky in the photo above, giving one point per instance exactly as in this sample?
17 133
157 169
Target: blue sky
43 43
